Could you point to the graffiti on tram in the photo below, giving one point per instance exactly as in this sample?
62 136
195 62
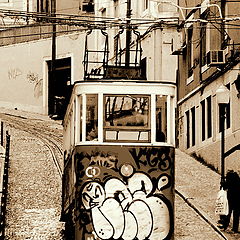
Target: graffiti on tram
125 193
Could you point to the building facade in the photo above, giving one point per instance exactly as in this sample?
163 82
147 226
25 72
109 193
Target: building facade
155 24
28 46
209 58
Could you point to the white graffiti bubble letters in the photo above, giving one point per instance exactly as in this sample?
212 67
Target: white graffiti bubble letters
140 181
162 182
128 210
161 218
131 226
143 215
116 188
112 210
101 224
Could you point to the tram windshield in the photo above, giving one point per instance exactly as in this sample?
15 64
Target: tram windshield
127 117
127 111
123 118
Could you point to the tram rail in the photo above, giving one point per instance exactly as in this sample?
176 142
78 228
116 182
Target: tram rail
52 140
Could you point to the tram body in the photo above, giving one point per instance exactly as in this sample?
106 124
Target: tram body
118 180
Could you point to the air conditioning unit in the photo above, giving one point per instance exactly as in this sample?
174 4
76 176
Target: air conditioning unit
215 57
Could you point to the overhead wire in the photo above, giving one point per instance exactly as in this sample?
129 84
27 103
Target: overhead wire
98 21
44 33
74 20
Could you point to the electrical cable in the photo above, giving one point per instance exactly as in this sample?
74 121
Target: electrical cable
42 33
105 22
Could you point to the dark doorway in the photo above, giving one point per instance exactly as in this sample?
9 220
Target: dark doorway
59 87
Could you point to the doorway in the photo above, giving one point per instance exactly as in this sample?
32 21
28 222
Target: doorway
59 87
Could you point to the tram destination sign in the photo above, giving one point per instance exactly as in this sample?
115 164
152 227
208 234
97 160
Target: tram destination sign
123 72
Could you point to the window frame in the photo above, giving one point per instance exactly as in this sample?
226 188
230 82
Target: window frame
190 51
209 117
133 129
203 114
187 114
127 127
193 126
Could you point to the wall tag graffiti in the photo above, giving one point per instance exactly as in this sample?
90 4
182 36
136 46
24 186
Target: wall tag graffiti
32 77
14 73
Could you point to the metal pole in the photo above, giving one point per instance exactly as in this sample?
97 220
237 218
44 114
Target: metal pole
27 11
53 62
128 34
223 117
1 133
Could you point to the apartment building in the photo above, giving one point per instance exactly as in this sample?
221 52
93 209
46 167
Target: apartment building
156 26
208 59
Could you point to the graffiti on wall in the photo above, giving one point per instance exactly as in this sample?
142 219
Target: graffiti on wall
13 73
33 78
125 203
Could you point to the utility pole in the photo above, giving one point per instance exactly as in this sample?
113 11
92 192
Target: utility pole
27 11
128 34
53 62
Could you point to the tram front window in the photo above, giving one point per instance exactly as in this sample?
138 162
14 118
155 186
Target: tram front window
92 117
127 118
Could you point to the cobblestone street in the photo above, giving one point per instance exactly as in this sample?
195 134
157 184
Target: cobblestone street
189 225
34 202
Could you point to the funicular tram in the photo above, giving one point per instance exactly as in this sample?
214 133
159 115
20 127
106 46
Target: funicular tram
118 180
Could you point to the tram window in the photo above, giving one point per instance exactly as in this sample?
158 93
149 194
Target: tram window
80 117
127 118
161 118
91 117
127 111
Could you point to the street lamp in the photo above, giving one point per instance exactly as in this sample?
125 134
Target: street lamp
222 95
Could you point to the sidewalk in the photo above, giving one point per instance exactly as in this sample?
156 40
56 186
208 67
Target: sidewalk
199 185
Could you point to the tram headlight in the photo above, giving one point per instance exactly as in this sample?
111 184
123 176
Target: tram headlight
126 170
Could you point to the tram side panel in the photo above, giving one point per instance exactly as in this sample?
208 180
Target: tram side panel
122 192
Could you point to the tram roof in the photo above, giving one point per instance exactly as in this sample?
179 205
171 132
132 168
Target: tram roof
122 87
124 81
129 86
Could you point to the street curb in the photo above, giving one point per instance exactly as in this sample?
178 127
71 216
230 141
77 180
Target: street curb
201 214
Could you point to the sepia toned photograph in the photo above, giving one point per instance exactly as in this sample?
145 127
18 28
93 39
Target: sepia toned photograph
119 120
